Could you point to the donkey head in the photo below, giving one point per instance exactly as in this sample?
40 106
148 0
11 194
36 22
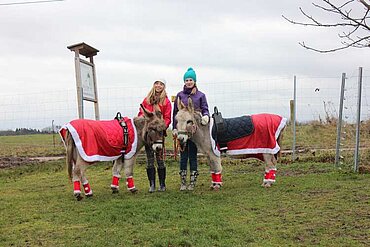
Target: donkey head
154 128
187 121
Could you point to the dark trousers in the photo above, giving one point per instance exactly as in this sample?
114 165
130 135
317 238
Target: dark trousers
150 158
189 153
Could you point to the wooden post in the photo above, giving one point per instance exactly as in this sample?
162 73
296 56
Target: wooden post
88 52
291 103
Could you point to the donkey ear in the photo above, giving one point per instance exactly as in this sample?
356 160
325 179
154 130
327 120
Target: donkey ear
190 105
158 114
157 111
147 113
180 105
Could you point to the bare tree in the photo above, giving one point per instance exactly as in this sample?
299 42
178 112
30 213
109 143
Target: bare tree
357 30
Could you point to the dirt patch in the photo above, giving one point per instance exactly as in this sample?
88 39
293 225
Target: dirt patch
8 162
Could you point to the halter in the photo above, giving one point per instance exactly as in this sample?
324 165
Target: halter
189 131
158 141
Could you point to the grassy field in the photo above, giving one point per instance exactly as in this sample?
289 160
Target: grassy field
312 204
31 145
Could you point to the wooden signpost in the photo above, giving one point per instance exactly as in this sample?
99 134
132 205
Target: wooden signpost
85 77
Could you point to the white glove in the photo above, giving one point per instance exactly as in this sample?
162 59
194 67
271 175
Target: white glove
205 120
174 132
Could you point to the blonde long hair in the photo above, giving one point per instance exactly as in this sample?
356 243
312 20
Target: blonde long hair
153 99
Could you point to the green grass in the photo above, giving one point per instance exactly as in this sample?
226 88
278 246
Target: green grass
31 145
312 204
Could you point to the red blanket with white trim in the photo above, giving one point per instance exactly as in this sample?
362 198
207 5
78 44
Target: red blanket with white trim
267 128
101 140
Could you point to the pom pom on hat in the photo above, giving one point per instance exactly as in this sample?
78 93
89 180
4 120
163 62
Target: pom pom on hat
190 74
161 80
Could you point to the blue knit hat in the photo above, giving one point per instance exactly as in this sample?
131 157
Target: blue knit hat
190 74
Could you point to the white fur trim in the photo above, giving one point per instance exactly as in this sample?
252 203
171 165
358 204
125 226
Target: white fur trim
134 144
89 194
220 183
81 151
274 150
269 180
114 186
213 142
94 158
272 169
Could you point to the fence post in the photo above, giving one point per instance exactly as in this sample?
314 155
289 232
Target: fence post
358 119
294 117
339 123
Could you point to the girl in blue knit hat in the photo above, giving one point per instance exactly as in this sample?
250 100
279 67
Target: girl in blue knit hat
190 151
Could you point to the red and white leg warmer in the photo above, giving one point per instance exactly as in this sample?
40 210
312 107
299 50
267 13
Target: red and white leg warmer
115 182
216 178
130 183
76 187
270 176
87 188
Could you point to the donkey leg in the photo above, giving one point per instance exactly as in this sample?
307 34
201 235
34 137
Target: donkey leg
129 172
116 175
270 170
85 182
216 169
76 179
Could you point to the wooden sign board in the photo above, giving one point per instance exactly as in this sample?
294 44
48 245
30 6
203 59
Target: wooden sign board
87 81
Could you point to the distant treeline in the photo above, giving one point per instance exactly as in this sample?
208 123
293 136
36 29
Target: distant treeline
26 131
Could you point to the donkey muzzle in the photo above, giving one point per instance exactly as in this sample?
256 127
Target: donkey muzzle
183 138
157 146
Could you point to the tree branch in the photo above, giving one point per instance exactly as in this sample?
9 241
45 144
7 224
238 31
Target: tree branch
367 5
353 44
354 37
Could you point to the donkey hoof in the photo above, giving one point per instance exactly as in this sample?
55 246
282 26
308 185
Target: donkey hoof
115 189
266 185
216 187
79 197
134 190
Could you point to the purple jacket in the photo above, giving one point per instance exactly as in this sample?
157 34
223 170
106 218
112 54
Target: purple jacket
199 102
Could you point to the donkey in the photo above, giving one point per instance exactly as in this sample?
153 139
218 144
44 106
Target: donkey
118 140
262 142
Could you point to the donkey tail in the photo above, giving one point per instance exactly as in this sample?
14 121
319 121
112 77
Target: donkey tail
70 149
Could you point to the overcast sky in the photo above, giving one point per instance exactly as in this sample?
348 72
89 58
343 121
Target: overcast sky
142 40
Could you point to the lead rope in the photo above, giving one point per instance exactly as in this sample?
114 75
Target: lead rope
164 148
175 148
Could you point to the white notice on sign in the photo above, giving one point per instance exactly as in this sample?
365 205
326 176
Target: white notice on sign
87 80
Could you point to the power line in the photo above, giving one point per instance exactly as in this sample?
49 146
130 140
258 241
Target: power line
18 3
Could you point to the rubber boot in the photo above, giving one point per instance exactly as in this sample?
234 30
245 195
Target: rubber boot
193 179
162 178
151 177
183 180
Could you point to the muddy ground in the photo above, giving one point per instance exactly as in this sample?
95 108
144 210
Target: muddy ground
8 162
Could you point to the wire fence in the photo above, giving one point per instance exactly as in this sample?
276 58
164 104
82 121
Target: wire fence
317 103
